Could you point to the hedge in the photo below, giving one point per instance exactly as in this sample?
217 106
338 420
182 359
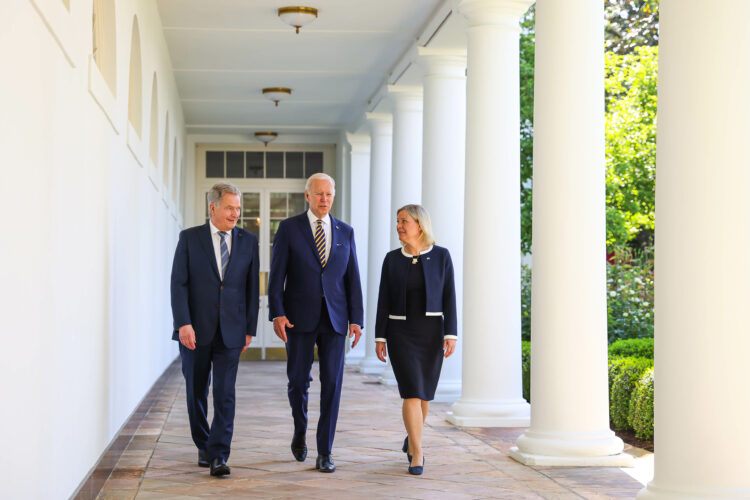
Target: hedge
624 373
526 368
635 348
641 412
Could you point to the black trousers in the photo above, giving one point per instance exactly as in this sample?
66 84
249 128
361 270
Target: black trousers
196 367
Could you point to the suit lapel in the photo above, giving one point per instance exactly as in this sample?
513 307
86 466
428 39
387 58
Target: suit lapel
208 246
304 225
334 238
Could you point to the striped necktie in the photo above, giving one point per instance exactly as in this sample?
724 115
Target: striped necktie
224 253
320 242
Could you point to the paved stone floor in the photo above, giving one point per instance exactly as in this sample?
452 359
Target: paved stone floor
159 460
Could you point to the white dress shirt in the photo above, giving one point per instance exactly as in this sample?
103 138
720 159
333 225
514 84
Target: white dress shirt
326 229
216 240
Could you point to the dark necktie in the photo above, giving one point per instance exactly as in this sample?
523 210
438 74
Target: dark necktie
224 253
320 242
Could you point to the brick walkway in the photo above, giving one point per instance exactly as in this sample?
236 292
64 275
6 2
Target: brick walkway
157 459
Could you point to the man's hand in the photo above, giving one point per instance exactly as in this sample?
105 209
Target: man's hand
280 325
380 351
449 346
248 339
187 336
356 332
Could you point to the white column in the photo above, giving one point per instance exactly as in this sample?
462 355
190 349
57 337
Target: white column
381 140
406 181
491 393
341 201
702 399
443 162
570 410
359 210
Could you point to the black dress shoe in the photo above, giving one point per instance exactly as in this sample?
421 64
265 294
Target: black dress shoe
219 467
203 459
324 463
299 448
417 470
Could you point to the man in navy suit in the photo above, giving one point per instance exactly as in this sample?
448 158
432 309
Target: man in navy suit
315 297
215 311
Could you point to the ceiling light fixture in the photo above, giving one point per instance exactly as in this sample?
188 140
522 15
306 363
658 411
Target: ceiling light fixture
276 94
266 137
297 16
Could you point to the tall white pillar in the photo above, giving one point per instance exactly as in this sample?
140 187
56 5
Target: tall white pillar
491 393
358 203
443 162
381 141
406 181
570 410
702 400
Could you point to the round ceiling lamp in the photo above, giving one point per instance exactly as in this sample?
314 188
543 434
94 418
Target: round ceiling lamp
276 94
297 16
266 137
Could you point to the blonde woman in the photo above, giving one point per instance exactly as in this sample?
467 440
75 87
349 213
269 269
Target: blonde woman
416 319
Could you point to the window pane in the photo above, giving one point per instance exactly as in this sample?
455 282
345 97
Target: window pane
254 164
214 163
273 226
235 167
297 203
208 212
252 225
274 165
251 205
294 165
278 206
313 163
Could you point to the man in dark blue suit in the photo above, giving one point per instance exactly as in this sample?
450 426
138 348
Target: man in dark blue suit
215 311
315 297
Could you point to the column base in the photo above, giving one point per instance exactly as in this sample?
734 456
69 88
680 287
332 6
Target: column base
448 391
619 460
483 413
652 492
596 449
387 377
371 366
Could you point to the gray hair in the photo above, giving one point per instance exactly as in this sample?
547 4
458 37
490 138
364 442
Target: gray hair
421 217
320 177
217 192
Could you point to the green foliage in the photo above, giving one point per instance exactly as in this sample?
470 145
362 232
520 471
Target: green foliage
630 295
527 123
525 303
641 411
635 348
630 142
624 373
630 24
526 368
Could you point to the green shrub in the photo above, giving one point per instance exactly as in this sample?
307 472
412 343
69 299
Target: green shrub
525 303
526 368
630 295
624 374
641 412
632 348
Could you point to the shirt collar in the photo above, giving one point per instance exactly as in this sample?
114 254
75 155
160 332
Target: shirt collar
403 251
215 229
311 216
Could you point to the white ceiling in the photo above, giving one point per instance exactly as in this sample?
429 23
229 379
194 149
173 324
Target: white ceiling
225 51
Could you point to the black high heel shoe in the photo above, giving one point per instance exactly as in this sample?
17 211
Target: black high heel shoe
417 470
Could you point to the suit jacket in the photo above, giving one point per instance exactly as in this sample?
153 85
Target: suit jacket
439 288
298 282
201 298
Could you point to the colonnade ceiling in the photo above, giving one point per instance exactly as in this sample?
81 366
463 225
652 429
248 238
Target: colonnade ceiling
224 52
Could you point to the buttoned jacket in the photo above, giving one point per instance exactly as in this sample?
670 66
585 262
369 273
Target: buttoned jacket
439 287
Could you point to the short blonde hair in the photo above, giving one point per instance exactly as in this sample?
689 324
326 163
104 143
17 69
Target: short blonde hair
421 217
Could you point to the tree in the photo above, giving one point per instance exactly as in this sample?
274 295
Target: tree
527 124
630 24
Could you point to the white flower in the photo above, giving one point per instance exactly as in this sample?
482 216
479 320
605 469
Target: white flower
612 294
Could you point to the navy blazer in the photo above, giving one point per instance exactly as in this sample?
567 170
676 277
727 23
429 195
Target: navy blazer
298 282
439 287
200 298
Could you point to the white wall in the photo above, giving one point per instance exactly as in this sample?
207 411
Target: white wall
86 252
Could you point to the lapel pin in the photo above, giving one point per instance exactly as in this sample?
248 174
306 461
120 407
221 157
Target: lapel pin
337 227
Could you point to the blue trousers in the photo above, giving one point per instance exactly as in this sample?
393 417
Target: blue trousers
196 367
300 350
